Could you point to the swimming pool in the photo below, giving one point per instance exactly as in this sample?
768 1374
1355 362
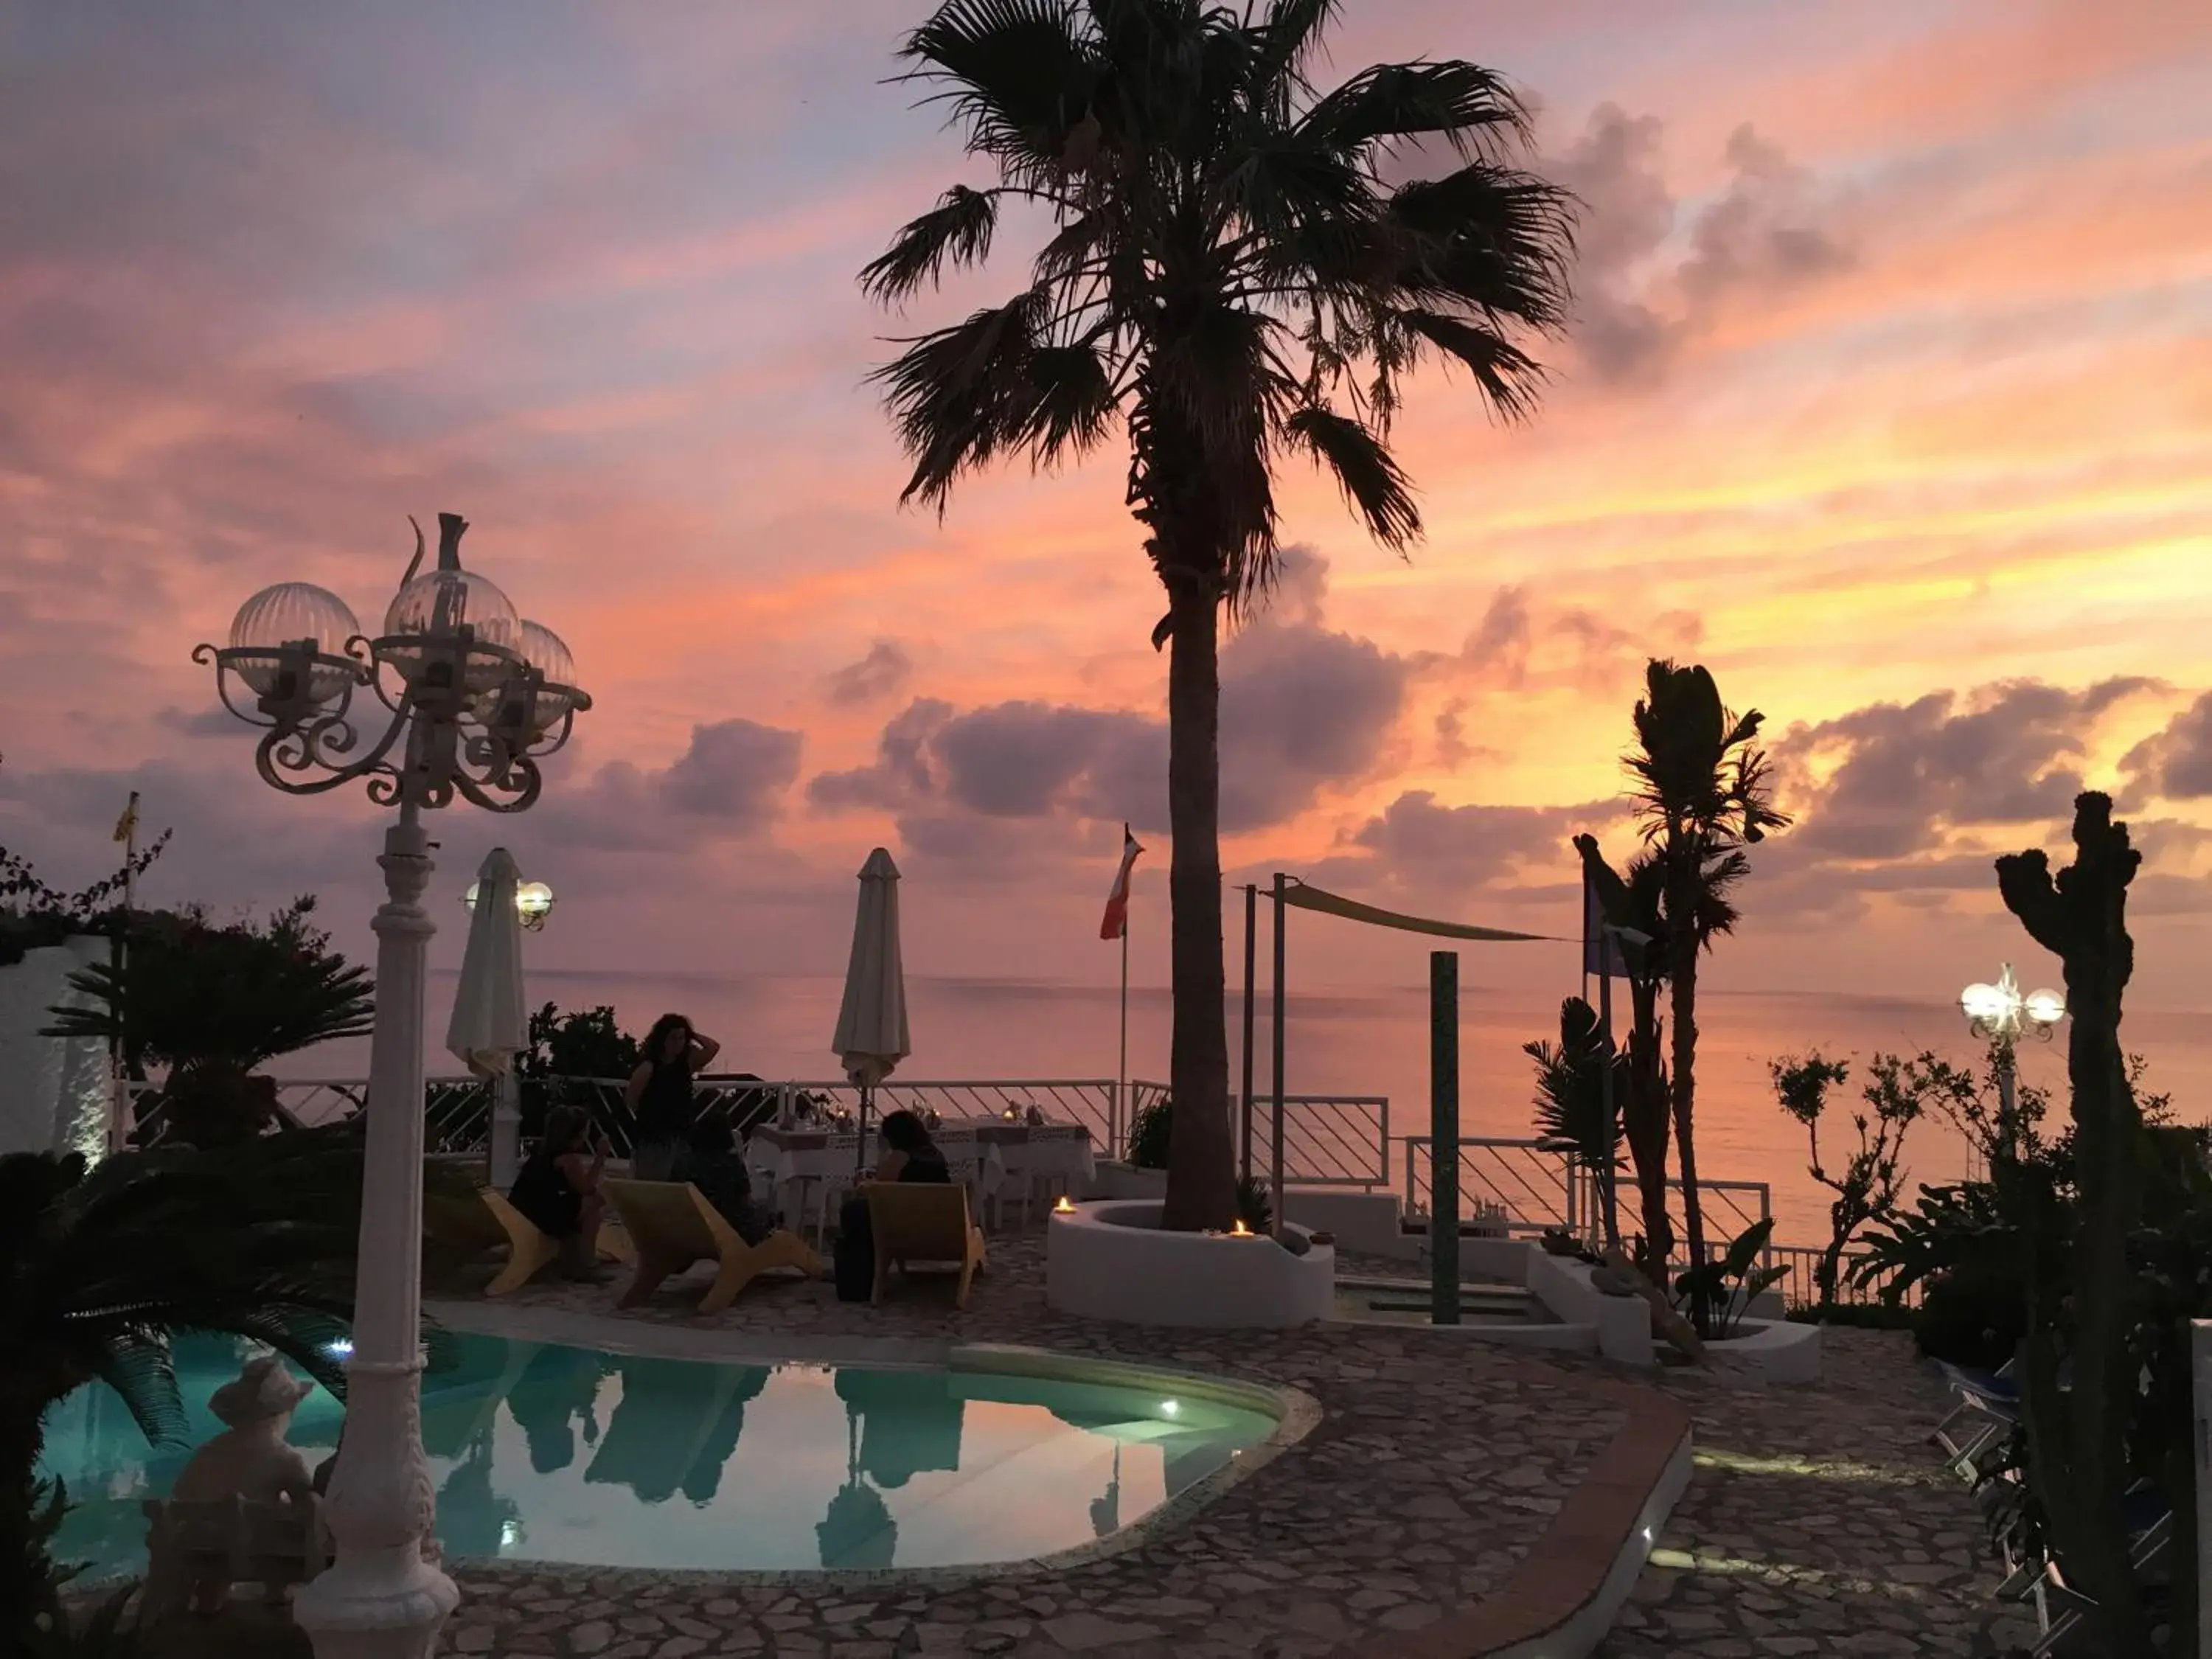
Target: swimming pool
548 1453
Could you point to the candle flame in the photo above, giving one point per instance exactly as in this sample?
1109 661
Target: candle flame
1066 1206
1240 1231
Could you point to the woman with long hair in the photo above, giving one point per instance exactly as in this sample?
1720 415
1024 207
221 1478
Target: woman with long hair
557 1190
659 1095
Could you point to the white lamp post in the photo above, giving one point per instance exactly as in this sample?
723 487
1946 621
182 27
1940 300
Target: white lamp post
2000 1014
533 902
472 697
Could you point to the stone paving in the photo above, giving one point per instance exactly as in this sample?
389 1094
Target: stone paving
1818 1521
1435 1464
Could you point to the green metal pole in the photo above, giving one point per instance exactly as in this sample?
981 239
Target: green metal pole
1444 1137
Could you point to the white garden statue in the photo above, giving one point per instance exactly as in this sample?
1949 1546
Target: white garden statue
251 1458
244 1507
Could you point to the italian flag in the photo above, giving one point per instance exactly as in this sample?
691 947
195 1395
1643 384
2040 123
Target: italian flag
1117 901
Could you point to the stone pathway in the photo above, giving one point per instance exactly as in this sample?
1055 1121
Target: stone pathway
1819 1522
1435 1464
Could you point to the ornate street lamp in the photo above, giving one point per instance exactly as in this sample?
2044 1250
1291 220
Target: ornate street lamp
2002 1016
470 698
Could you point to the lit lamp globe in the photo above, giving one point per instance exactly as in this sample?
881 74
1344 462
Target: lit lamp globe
533 902
433 607
2044 1008
292 613
1985 1004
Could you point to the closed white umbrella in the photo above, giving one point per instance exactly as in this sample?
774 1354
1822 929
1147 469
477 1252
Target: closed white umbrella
488 1027
872 1034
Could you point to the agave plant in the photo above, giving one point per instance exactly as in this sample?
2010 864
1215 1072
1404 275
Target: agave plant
100 1269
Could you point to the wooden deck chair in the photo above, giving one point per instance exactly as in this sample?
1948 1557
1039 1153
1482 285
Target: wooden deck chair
922 1221
672 1225
481 1221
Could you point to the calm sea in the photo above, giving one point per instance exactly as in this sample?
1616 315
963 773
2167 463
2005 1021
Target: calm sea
1370 1042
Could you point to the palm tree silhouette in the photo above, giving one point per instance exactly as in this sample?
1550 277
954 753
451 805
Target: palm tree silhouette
1704 793
1233 279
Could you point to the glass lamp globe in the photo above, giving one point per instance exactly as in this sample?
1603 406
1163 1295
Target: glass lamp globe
2045 1007
434 606
1984 1002
533 901
284 615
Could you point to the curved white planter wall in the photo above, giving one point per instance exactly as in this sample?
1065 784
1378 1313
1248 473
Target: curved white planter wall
1109 1260
1777 1350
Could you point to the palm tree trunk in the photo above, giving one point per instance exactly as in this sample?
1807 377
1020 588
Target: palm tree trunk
1201 1168
1683 961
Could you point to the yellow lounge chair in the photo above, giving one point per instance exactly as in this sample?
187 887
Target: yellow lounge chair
923 1221
672 1226
475 1219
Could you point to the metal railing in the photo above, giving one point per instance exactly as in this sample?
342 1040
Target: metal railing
1329 1140
1801 1287
1536 1187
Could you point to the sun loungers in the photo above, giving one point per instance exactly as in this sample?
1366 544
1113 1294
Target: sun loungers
475 1221
672 1226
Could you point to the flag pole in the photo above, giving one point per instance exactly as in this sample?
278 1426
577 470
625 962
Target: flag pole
1121 1064
118 952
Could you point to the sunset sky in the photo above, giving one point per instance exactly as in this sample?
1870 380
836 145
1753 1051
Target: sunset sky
1889 398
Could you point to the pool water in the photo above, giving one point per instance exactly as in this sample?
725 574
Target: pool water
548 1453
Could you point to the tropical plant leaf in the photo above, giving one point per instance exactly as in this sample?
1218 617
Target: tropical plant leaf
1370 479
958 229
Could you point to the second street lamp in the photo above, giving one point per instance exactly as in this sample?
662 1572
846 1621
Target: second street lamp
2001 1015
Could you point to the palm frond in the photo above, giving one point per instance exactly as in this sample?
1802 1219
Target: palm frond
1488 238
1073 401
958 394
1016 75
1468 105
136 1365
1370 476
1290 36
1507 374
957 229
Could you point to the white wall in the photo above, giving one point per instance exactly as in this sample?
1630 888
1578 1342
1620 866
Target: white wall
54 1092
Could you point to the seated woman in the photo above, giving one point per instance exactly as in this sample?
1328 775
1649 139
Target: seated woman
557 1191
906 1154
713 1164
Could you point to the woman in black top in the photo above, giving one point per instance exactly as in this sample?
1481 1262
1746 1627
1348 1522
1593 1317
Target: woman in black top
659 1095
557 1191
908 1153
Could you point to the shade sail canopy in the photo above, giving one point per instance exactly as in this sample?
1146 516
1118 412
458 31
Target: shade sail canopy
871 1032
1313 899
489 1026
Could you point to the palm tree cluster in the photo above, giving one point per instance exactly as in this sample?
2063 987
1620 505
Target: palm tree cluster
1229 277
1704 793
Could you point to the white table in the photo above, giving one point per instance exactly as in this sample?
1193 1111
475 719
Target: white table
991 1157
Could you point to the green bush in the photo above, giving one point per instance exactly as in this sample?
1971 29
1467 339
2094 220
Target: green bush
1151 1131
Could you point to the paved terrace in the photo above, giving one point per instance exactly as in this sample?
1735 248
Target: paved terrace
1410 1523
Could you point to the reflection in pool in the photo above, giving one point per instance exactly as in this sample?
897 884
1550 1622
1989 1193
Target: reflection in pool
558 1454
